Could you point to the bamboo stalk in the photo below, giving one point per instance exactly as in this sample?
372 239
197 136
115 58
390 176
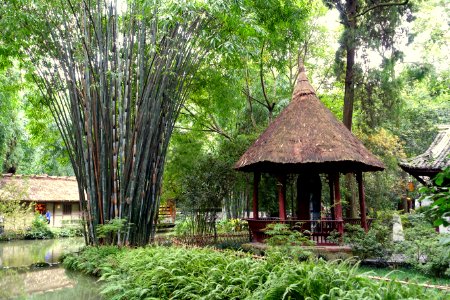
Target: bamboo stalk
115 86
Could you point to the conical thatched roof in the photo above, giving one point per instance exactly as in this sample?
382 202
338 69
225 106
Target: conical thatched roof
307 137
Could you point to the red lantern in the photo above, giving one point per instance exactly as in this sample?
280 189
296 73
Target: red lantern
411 186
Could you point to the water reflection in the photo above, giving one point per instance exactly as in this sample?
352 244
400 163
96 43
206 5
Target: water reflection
19 281
49 283
26 253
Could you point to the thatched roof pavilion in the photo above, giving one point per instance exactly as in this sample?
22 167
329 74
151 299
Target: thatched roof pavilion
306 138
437 157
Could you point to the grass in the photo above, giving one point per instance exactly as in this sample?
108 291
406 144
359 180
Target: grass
181 273
404 274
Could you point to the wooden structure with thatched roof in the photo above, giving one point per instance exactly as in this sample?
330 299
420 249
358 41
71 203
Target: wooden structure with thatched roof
59 195
307 139
437 157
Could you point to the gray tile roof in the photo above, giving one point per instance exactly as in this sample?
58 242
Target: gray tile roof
437 156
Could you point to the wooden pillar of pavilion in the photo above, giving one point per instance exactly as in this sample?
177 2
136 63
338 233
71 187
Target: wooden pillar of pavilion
282 196
331 186
362 201
256 180
338 205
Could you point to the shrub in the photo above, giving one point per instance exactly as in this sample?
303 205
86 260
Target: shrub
110 230
92 259
229 244
9 235
68 231
232 225
376 243
184 227
39 229
424 248
287 243
439 194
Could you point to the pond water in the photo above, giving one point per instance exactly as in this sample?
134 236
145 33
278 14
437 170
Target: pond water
25 253
18 280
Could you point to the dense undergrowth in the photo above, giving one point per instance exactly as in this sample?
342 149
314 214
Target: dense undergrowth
180 273
40 230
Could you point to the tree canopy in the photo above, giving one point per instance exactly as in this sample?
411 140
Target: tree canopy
156 100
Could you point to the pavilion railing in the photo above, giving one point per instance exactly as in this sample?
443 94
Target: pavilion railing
318 230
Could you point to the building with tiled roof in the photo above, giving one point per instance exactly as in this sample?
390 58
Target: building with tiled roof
436 158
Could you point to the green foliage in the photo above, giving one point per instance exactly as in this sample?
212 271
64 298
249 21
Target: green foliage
439 195
205 188
424 248
9 235
235 245
380 93
67 231
232 225
92 259
179 273
44 149
286 243
282 235
184 227
425 105
39 229
11 195
12 208
29 139
384 189
368 245
11 127
112 229
376 243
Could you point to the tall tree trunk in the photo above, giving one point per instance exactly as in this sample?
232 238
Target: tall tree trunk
349 96
350 46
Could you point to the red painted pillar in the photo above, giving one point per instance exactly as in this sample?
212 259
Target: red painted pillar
362 201
256 179
337 204
282 196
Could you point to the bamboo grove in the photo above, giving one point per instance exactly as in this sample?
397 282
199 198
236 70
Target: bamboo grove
115 79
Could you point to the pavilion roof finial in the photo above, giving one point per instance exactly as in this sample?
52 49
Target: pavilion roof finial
302 87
